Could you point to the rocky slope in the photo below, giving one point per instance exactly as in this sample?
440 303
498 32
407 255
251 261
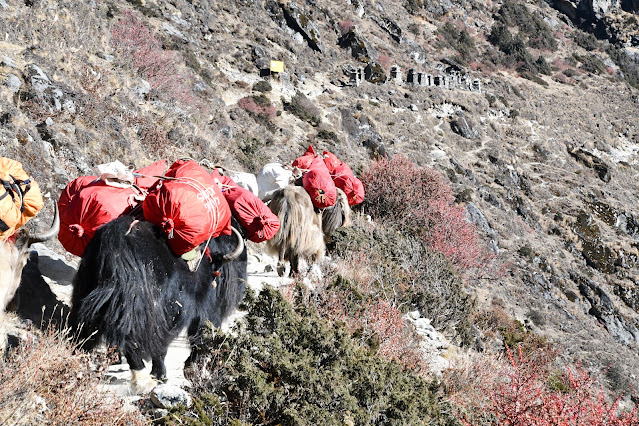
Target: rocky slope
546 165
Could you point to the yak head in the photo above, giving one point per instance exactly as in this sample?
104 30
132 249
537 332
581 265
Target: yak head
13 257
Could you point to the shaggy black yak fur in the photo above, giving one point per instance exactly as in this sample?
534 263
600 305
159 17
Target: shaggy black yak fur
134 293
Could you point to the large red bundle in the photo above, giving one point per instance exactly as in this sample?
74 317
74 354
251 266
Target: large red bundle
331 161
72 189
148 180
319 185
345 180
304 162
190 209
83 209
256 218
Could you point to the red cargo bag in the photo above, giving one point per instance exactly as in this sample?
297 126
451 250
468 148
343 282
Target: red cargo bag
304 162
72 189
149 172
256 218
331 161
319 185
345 180
190 209
89 207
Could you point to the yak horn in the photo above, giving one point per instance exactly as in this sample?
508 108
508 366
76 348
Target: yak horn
49 234
238 250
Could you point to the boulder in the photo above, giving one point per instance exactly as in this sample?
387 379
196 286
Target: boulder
464 127
360 48
389 26
303 23
169 396
374 73
602 308
590 160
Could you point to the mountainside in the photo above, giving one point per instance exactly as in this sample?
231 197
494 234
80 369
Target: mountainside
532 120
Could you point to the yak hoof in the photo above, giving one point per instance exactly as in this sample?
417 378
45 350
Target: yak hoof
142 382
281 268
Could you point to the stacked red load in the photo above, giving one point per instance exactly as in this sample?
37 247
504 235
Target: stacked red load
190 208
344 178
317 179
149 174
259 222
304 162
88 203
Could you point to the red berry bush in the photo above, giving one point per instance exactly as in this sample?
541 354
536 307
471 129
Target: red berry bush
420 201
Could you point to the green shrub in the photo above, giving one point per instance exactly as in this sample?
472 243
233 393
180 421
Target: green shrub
406 268
585 40
532 32
250 154
591 63
535 32
627 66
303 108
460 40
291 367
262 86
327 135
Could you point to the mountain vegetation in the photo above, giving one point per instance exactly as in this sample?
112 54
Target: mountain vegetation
498 146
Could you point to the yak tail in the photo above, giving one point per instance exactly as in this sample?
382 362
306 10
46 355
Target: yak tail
113 297
300 232
337 215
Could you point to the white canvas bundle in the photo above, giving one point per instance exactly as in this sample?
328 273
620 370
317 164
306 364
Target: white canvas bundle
115 174
246 181
273 176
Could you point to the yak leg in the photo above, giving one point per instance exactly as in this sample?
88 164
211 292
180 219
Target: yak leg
281 266
159 369
141 380
295 265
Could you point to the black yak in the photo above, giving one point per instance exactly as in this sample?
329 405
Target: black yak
303 229
134 293
13 257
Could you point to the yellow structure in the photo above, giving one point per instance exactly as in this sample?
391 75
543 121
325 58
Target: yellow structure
277 66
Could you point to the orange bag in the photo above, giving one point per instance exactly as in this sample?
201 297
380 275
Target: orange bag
20 197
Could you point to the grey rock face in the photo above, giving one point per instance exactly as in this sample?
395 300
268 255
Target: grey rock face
360 48
303 23
591 160
13 83
46 91
389 26
602 308
464 127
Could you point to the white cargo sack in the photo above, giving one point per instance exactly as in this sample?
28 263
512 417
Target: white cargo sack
271 178
246 181
115 174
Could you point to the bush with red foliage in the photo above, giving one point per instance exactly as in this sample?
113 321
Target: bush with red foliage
138 46
345 25
528 394
249 104
420 200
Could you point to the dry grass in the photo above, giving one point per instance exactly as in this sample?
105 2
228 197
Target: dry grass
43 381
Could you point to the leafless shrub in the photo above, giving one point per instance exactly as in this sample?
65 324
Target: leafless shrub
44 382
